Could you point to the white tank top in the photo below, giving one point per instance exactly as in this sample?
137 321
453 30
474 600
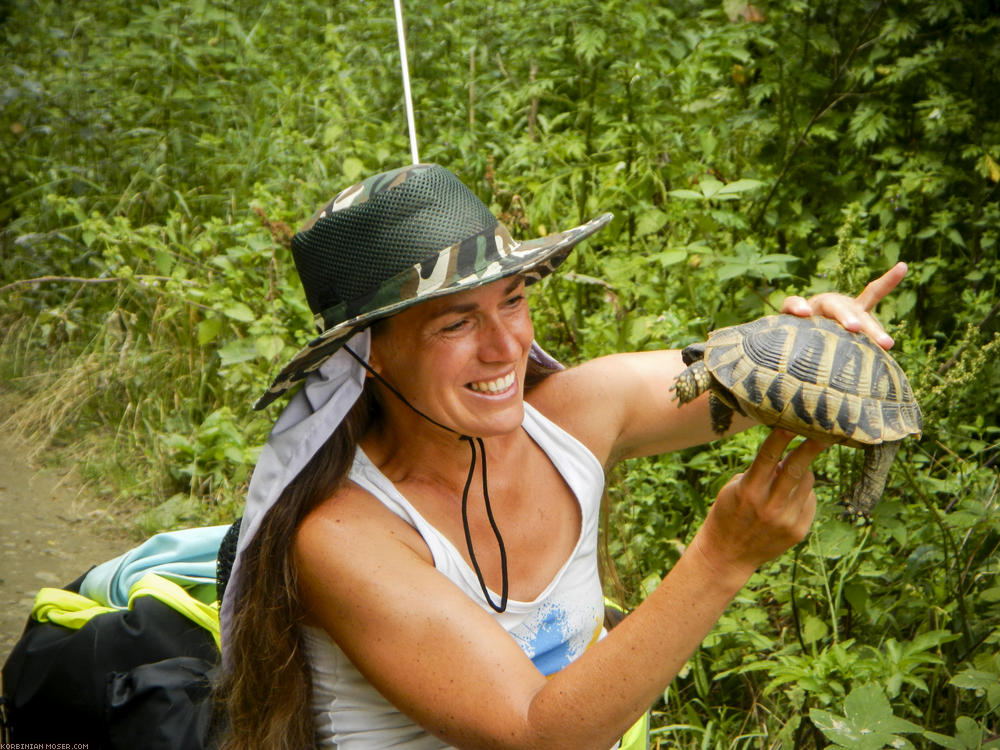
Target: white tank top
552 630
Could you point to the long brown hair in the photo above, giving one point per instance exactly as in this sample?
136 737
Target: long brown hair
267 692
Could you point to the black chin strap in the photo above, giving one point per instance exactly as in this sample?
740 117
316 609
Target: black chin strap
473 442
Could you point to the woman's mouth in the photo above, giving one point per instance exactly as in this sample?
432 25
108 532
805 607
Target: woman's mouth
500 385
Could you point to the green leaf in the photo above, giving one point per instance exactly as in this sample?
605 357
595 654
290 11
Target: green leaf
814 629
179 510
952 743
269 346
650 221
240 350
906 300
739 186
834 539
955 237
968 731
671 257
590 42
164 262
239 311
689 195
649 584
234 454
352 168
868 723
868 124
968 736
732 270
990 594
930 639
976 679
208 329
710 186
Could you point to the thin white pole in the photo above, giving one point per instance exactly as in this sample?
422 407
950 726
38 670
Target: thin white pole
406 82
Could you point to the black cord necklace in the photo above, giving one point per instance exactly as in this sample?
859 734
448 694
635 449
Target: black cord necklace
473 443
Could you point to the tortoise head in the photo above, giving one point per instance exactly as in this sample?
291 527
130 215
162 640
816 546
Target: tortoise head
693 353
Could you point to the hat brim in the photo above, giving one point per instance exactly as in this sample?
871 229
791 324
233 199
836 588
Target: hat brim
534 258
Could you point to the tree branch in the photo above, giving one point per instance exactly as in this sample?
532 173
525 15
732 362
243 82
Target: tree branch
85 280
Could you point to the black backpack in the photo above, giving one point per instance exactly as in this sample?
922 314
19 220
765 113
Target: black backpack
140 677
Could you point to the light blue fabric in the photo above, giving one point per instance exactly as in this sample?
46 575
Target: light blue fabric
186 557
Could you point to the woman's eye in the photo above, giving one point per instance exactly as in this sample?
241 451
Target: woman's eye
458 325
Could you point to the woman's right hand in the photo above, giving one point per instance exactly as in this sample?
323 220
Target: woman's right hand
762 512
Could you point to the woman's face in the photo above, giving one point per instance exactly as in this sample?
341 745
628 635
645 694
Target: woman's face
461 359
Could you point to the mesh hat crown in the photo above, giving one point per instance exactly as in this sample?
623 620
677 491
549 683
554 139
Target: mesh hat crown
395 240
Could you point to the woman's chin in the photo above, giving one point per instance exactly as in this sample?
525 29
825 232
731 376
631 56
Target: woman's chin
492 414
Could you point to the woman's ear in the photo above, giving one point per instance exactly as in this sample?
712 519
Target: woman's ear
374 361
378 341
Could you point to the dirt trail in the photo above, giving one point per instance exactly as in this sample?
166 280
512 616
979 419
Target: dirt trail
50 533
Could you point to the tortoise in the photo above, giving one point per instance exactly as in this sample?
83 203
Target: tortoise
813 377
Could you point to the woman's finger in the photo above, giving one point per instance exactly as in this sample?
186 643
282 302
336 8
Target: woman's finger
848 311
880 287
768 458
853 313
796 305
794 469
807 513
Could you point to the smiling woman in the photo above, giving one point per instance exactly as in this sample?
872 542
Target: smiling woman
463 357
392 587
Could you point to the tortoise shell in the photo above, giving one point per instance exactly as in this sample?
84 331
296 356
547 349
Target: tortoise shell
814 377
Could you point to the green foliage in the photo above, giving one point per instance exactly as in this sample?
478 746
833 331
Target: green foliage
156 155
869 723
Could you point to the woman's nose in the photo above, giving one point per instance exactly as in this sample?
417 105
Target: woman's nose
500 342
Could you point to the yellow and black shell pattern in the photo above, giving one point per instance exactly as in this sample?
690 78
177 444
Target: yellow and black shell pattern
812 376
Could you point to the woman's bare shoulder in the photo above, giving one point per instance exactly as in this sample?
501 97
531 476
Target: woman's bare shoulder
350 521
617 405
582 400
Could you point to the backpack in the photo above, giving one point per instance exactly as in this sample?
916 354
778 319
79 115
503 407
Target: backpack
119 677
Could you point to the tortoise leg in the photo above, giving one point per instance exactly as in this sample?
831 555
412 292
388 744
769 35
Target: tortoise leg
722 414
691 383
874 473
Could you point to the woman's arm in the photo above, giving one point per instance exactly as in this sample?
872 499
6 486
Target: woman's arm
366 577
621 406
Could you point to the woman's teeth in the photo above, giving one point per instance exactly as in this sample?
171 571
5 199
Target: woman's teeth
493 386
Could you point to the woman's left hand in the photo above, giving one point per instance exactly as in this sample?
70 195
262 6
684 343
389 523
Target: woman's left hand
852 313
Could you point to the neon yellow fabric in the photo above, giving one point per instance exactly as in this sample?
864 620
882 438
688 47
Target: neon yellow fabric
175 597
65 608
637 738
73 611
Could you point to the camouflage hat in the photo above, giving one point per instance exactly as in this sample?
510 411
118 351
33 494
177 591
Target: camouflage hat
395 240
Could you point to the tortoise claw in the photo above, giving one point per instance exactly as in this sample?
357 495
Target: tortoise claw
854 515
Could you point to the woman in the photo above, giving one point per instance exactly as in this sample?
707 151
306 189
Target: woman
417 563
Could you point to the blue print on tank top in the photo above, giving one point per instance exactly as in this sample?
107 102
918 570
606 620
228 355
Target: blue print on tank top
550 643
548 638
